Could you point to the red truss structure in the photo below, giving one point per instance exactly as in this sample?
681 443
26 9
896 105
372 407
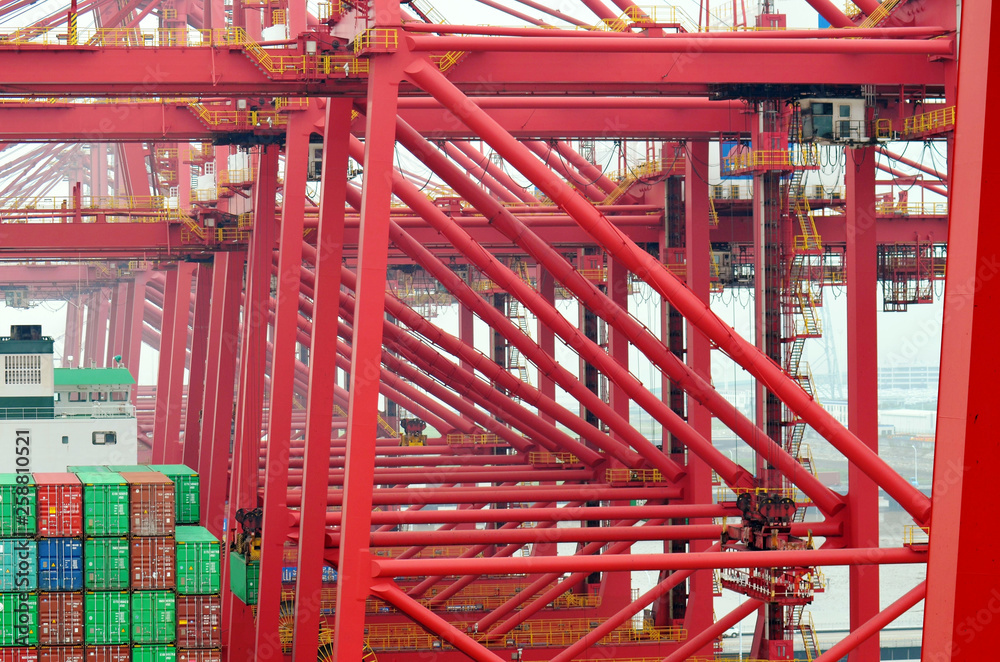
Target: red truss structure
352 231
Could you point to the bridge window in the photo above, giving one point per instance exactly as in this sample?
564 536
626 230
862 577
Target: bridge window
105 438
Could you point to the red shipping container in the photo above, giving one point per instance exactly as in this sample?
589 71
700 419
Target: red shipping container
151 503
203 655
61 654
154 563
199 620
20 654
60 618
60 505
109 654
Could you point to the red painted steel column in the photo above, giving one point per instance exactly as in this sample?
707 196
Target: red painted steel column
322 376
220 384
133 324
862 384
279 422
250 397
198 367
961 620
169 310
101 331
704 638
354 579
699 613
546 335
176 354
116 323
74 327
466 331
616 587
90 331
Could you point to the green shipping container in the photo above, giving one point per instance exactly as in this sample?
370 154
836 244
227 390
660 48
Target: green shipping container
105 504
154 618
198 561
18 619
187 488
127 468
18 565
107 616
105 564
244 576
88 469
18 513
154 654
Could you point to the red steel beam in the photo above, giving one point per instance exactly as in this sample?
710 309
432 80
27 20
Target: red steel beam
960 620
607 563
941 47
866 631
713 631
398 496
670 287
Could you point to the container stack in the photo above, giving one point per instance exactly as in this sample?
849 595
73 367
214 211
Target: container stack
18 568
60 567
93 567
153 562
199 604
106 565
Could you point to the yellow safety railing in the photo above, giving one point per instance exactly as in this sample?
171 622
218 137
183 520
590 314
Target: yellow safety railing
803 156
713 215
386 39
914 534
622 475
726 493
941 118
884 130
546 457
879 15
459 439
599 275
912 208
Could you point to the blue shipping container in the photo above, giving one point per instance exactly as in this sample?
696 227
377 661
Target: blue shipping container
60 564
18 565
290 573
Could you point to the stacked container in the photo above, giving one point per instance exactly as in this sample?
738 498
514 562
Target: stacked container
60 567
18 568
199 605
153 563
106 566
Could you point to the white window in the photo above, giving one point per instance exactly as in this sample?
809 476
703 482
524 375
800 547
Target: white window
22 369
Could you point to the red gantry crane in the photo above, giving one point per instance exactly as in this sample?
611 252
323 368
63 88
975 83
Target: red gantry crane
353 230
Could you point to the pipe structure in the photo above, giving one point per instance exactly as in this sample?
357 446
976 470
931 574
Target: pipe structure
536 514
670 287
778 45
715 630
892 156
523 494
496 172
610 563
624 614
397 598
500 322
590 295
930 186
875 625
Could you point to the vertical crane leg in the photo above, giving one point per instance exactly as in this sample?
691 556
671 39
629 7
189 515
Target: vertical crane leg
220 376
862 384
198 367
133 325
322 379
116 323
279 420
962 610
176 357
74 327
250 397
354 578
699 613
